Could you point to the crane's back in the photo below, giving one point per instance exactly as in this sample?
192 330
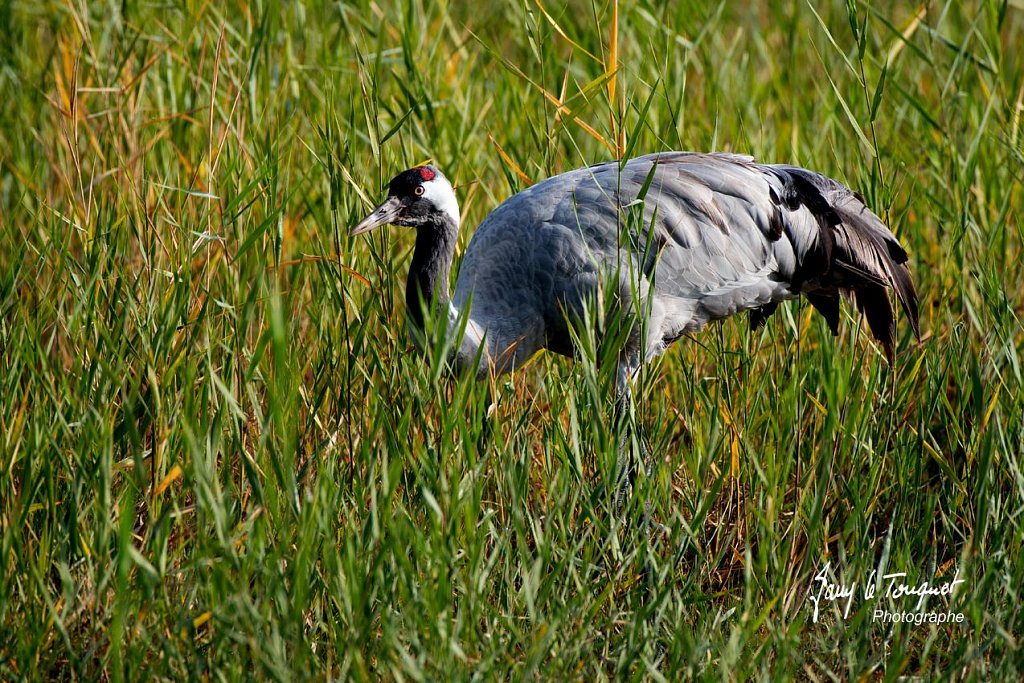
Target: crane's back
685 238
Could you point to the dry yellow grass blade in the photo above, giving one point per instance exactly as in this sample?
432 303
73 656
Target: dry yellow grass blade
174 474
508 161
314 259
562 108
907 33
561 32
612 69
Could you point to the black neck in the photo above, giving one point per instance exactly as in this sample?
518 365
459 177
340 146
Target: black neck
431 263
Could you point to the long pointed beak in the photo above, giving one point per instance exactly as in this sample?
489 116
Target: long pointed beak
382 215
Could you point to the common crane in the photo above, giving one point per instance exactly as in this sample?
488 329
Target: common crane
685 238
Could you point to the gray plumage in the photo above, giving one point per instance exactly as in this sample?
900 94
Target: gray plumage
685 238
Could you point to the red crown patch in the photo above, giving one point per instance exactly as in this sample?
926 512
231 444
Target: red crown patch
426 173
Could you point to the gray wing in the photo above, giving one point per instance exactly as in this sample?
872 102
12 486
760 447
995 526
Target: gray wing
697 237
701 228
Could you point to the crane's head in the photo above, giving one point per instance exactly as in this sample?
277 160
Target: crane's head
417 197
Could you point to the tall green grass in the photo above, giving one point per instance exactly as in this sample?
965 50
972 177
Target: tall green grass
219 457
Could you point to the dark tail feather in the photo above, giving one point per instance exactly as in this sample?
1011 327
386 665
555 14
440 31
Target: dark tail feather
828 306
873 302
853 252
869 261
759 316
904 287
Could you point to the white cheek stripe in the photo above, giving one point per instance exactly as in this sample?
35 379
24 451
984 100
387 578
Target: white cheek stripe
440 193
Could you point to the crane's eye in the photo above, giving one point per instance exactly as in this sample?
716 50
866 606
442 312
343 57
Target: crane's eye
418 190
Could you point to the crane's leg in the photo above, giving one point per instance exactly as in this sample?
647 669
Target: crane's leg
628 465
633 454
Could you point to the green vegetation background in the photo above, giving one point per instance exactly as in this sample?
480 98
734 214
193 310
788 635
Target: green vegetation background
219 458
